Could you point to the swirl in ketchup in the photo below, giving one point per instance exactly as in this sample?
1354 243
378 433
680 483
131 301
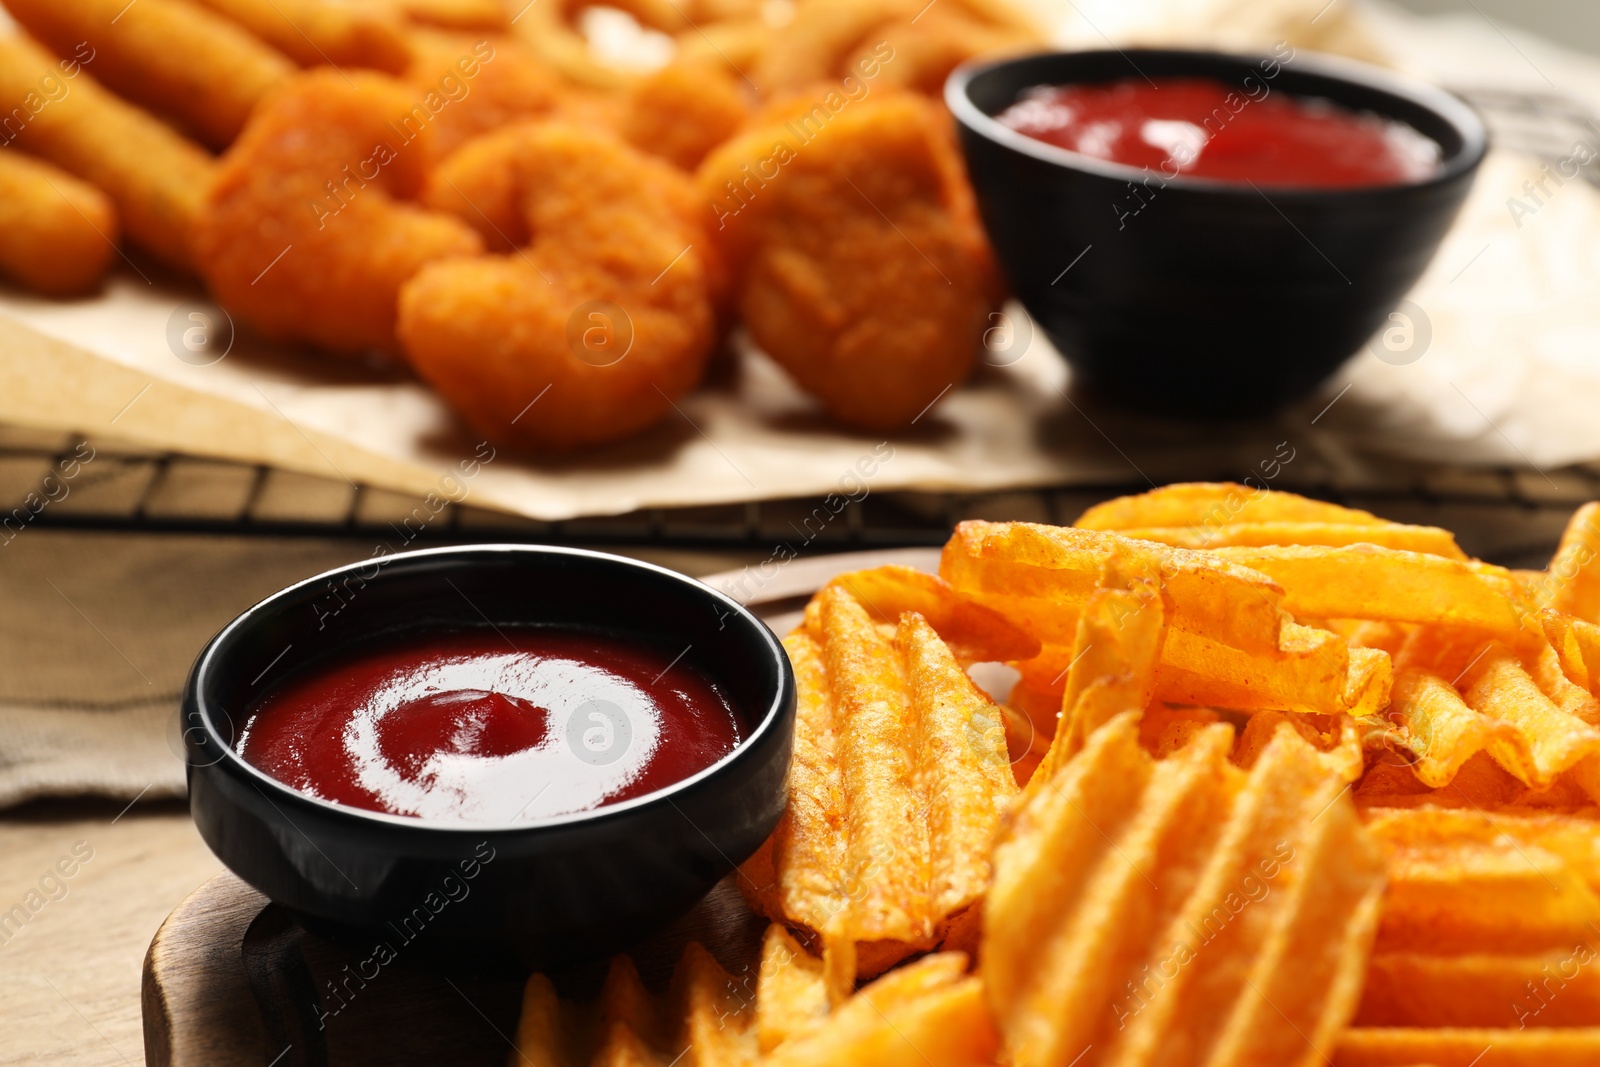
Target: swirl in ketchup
1207 129
491 726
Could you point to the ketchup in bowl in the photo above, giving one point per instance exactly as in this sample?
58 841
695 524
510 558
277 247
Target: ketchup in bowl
492 726
1207 129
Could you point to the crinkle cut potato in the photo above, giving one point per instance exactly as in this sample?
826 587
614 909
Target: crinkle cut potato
303 158
1268 790
900 772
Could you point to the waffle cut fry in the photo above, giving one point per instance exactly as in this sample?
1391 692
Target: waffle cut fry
1206 515
1114 658
1459 694
701 1020
1180 911
900 771
930 1013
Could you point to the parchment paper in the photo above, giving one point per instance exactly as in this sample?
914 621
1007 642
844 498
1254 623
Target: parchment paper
1505 375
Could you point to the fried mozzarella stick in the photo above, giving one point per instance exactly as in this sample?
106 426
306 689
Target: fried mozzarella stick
155 177
316 33
57 232
167 55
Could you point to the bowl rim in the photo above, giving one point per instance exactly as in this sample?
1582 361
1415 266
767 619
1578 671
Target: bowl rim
1447 106
193 702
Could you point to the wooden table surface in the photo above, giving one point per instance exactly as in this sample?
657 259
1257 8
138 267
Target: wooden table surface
69 975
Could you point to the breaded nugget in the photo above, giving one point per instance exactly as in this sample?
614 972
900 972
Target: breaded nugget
860 264
57 233
202 69
683 111
156 178
317 32
592 331
306 234
474 84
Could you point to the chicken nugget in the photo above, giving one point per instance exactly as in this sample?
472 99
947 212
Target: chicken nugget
156 177
592 331
683 111
476 84
57 233
307 234
180 60
861 265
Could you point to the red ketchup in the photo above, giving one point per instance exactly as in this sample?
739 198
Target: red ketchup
1207 129
491 726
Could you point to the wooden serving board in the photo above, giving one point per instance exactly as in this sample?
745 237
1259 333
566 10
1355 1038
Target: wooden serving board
230 980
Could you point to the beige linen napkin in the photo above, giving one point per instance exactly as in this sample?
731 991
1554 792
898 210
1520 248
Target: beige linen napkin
96 641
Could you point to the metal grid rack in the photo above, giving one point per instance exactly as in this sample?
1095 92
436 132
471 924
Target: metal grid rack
1508 516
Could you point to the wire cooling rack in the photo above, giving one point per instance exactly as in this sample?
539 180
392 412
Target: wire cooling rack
1508 516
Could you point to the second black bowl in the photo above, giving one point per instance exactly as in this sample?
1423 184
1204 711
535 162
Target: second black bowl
1199 297
549 890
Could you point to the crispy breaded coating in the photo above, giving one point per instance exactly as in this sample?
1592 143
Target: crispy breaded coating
861 265
57 233
307 234
156 177
684 110
592 331
203 70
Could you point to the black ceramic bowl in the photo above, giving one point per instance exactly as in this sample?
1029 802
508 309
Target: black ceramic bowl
1200 297
553 890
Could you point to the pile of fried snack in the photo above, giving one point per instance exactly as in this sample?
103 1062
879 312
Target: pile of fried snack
463 186
1281 783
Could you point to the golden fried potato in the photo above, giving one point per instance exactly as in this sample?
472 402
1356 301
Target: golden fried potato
900 774
1363 581
608 310
1475 1047
1467 880
1212 505
202 69
926 1014
700 1020
156 178
1180 911
307 233
1558 987
1553 740
57 234
973 632
792 992
1429 539
1040 576
1115 656
1572 583
1440 730
862 268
